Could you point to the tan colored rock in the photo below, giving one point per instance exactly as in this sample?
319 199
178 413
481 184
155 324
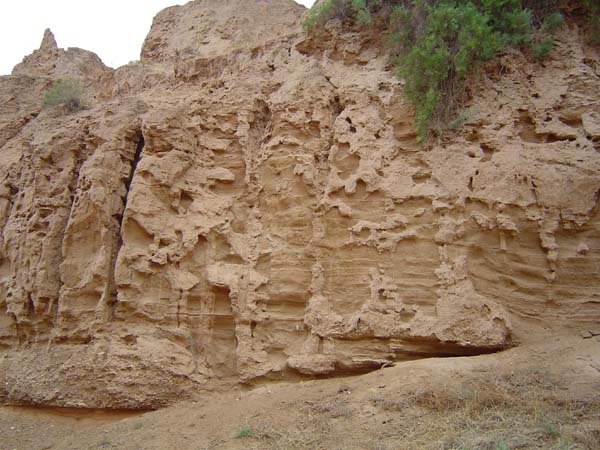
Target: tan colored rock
250 203
51 61
201 31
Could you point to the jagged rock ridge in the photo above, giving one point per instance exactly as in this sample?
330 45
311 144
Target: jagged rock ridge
249 202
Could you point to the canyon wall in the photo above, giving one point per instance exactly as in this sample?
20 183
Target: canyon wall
249 203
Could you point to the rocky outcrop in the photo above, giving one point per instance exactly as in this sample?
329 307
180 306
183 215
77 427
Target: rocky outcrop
250 203
51 61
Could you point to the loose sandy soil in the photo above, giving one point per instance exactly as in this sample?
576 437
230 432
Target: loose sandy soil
541 396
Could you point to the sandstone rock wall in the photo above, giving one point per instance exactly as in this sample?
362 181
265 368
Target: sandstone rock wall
249 203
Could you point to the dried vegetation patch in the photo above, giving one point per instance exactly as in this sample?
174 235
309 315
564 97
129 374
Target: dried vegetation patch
524 409
529 409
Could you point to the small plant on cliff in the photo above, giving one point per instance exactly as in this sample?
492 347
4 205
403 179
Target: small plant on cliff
65 92
440 56
436 44
357 10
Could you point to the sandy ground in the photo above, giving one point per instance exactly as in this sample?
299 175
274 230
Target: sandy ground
543 395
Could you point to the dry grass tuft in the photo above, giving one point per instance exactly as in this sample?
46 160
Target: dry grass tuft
526 409
521 410
297 438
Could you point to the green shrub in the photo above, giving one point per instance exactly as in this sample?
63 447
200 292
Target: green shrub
553 21
508 18
64 92
540 42
435 44
543 47
244 431
453 38
401 29
357 10
360 9
438 43
325 11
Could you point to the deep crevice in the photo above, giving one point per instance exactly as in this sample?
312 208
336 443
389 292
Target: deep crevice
111 288
134 164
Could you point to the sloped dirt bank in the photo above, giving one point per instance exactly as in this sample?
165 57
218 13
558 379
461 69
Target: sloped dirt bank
544 395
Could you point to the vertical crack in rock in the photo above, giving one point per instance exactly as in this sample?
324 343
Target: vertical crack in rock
57 238
136 159
252 139
111 293
180 300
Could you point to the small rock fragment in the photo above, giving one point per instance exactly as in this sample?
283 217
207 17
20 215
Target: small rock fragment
582 249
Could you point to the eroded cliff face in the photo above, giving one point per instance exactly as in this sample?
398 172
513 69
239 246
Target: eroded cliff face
250 203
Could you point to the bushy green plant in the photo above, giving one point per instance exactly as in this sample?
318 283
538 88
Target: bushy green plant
244 431
507 18
361 10
541 42
65 92
542 48
553 21
454 36
435 44
320 14
325 11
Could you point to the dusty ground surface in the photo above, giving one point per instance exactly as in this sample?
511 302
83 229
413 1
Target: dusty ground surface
544 395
